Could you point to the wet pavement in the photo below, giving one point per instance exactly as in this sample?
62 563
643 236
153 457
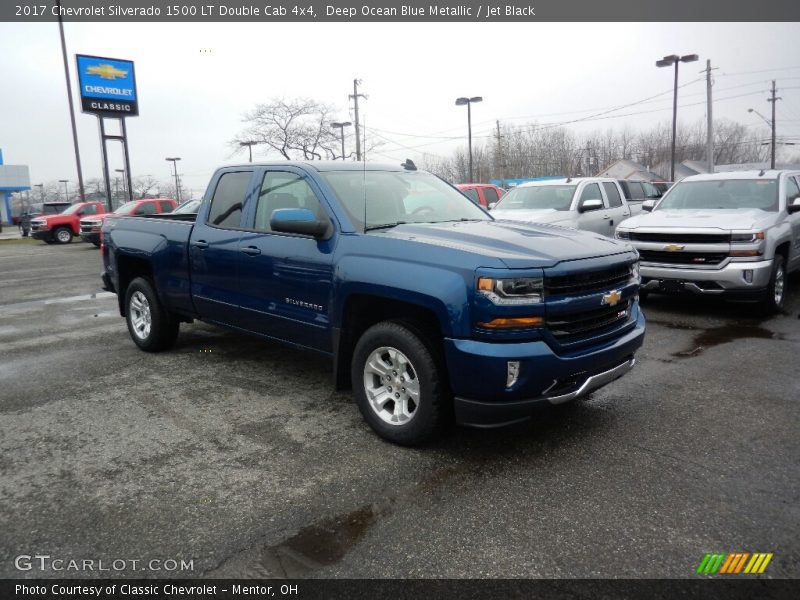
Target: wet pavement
237 455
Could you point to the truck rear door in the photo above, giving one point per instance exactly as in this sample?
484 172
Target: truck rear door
214 248
285 279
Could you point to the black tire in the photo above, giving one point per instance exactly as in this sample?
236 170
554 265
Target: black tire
163 327
775 295
643 295
431 412
96 244
62 235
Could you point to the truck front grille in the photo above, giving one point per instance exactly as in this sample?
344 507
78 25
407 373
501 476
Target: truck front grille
586 283
681 238
682 258
573 326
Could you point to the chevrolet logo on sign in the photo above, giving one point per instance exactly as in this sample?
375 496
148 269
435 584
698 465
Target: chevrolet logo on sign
611 298
673 248
106 71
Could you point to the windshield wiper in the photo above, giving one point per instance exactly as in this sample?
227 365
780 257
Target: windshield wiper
383 226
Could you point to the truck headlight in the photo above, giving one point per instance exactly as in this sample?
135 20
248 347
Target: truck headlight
622 234
747 238
517 290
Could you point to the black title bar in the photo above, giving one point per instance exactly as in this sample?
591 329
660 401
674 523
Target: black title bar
265 11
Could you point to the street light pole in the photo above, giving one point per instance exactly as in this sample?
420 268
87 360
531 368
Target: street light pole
771 125
468 102
340 127
249 145
674 59
66 190
174 161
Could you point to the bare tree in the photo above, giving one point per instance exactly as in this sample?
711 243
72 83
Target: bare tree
145 186
295 128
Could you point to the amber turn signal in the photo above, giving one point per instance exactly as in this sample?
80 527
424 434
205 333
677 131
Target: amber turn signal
512 322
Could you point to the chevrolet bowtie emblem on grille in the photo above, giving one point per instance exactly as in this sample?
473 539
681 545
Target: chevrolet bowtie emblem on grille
611 298
673 247
106 71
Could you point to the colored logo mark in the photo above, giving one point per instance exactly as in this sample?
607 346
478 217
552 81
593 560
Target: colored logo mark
734 563
106 71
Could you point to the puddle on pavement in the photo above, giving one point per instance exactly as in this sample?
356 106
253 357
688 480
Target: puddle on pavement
715 336
327 542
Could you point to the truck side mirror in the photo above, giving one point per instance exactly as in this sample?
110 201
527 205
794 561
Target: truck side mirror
492 205
588 205
648 205
794 206
298 220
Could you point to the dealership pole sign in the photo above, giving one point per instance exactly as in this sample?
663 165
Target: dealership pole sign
108 86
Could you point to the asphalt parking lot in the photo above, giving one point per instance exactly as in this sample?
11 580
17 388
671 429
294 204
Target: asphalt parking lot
237 454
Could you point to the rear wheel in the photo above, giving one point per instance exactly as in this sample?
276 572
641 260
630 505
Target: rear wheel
398 383
63 235
150 325
775 295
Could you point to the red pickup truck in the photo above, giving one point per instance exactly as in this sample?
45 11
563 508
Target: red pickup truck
90 226
62 227
482 194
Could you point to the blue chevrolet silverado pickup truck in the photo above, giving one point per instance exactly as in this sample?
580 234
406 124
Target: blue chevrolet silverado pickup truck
429 308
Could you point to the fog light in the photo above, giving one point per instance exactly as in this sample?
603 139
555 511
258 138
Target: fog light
747 275
512 373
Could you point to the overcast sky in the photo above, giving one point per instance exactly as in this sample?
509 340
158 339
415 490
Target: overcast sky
195 81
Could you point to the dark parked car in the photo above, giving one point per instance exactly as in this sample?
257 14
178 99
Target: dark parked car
35 210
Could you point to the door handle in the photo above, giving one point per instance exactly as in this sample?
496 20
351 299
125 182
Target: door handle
250 250
611 222
202 244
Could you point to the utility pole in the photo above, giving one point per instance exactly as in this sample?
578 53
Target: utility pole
710 126
71 106
501 160
773 100
355 96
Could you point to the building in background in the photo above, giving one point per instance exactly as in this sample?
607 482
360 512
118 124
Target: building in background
13 178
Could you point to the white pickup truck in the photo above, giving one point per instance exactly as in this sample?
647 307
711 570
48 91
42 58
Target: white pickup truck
735 235
590 203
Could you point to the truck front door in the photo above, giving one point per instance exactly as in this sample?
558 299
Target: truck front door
214 249
285 279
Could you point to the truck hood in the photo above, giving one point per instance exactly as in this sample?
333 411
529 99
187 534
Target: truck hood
720 218
517 245
535 215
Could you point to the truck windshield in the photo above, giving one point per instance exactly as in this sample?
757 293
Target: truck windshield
375 199
726 193
72 209
126 208
555 197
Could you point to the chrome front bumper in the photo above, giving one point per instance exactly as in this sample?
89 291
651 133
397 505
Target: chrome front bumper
728 278
594 382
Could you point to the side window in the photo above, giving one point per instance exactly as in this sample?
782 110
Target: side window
650 191
612 194
637 192
226 204
165 206
91 209
591 192
792 190
281 189
472 194
491 195
146 208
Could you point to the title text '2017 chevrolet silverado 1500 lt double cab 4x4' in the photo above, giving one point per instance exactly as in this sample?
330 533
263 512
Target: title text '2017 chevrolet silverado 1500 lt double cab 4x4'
428 307
734 235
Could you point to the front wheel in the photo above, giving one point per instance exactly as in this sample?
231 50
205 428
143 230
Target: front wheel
776 290
63 235
150 325
398 383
